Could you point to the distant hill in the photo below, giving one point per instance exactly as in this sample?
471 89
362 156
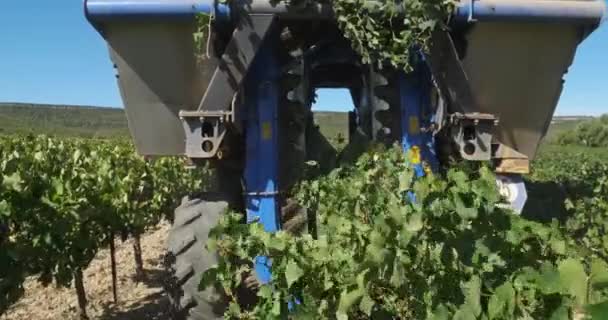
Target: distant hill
560 124
87 121
80 121
557 119
332 124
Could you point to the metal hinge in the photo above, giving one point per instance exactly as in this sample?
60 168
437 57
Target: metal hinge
472 133
205 131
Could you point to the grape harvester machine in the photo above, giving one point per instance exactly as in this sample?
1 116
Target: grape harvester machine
485 91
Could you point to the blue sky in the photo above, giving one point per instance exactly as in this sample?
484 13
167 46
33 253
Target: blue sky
50 54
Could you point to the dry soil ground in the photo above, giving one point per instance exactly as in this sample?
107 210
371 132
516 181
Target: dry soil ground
137 300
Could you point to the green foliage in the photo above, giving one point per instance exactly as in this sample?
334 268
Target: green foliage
381 31
386 31
591 133
582 177
63 198
453 253
587 206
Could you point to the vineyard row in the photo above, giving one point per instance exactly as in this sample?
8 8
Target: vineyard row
61 200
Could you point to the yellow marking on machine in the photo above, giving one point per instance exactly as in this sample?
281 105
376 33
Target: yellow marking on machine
415 157
414 125
266 130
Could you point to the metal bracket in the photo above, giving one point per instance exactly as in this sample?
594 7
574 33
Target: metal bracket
470 130
206 128
472 133
205 131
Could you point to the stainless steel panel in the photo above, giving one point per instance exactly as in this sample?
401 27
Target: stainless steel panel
157 78
516 72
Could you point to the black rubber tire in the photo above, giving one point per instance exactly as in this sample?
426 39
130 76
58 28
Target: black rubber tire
187 258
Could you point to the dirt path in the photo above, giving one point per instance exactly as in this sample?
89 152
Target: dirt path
137 301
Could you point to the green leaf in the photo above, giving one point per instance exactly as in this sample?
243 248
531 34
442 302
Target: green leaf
502 302
375 254
277 305
399 274
458 177
48 239
599 274
265 292
574 279
464 313
279 241
440 313
293 272
347 300
405 180
377 238
464 212
597 311
13 182
367 305
414 223
234 310
561 313
5 209
472 295
558 245
549 279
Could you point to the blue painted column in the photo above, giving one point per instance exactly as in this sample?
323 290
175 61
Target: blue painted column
416 117
262 149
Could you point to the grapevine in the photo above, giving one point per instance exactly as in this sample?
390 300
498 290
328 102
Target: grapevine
453 253
64 199
382 32
386 31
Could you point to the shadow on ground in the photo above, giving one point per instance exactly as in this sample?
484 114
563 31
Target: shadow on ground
154 306
154 278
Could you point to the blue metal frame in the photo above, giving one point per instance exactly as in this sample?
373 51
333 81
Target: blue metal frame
416 116
585 12
262 150
101 11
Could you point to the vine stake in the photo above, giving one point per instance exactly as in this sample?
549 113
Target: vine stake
81 293
113 263
139 262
